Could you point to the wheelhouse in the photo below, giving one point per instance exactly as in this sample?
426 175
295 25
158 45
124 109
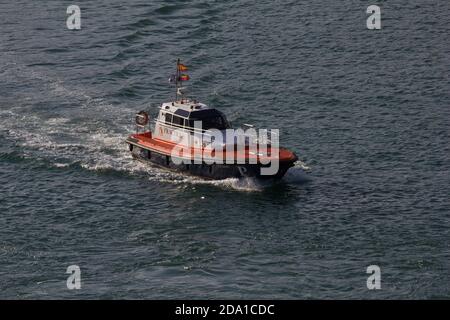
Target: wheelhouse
186 119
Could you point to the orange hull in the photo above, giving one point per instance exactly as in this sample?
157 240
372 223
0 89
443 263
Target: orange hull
243 163
146 141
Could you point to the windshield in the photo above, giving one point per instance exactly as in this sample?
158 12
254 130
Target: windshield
214 123
210 120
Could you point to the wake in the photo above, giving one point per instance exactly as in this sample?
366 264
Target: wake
89 137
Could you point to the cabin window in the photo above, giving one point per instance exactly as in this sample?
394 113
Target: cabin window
178 121
168 118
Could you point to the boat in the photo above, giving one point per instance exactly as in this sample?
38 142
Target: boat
192 138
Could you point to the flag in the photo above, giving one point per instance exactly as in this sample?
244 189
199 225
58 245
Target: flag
182 67
183 77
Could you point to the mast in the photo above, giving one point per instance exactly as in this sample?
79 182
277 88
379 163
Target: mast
177 79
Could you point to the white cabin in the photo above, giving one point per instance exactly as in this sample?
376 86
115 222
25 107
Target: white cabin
177 121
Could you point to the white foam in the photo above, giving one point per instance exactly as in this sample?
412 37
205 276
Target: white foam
61 165
297 175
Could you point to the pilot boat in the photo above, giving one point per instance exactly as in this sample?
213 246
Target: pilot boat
190 137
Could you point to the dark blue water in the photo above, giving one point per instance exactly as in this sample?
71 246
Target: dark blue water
366 110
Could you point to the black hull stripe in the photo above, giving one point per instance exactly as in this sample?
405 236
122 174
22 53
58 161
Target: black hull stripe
209 171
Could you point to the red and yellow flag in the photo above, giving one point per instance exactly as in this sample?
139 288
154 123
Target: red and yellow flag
182 67
184 77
